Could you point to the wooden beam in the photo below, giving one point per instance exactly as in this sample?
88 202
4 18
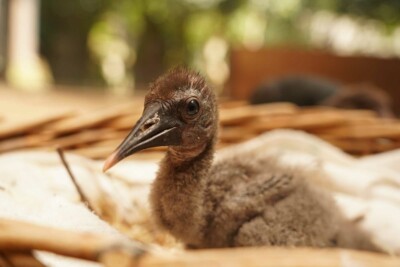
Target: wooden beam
23 236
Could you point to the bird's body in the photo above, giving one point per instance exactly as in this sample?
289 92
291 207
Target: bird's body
248 202
306 91
301 90
238 201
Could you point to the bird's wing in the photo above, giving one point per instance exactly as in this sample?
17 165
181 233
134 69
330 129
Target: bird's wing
239 191
255 180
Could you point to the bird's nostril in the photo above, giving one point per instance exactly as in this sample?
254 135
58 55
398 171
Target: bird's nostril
147 125
150 123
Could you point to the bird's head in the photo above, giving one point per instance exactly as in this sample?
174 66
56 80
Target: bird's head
180 111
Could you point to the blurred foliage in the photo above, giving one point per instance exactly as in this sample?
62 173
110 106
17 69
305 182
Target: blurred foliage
386 11
64 28
165 33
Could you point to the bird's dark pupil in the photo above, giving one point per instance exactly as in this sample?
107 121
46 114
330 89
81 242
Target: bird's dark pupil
192 107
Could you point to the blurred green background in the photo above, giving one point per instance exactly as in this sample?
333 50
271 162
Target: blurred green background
127 43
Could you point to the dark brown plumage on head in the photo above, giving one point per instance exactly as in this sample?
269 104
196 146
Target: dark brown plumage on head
193 104
180 111
243 200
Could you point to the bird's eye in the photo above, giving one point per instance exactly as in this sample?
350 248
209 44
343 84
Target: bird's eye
192 107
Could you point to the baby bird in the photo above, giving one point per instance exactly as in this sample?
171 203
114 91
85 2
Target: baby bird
240 201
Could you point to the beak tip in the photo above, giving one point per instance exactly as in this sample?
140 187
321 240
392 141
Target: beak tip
110 161
105 168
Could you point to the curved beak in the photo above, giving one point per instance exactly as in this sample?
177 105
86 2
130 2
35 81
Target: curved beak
154 128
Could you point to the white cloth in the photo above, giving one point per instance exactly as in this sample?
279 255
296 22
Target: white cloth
367 187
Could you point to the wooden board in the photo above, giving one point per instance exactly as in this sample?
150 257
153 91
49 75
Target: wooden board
22 236
249 68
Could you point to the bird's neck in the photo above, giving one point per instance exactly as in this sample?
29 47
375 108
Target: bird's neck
177 193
